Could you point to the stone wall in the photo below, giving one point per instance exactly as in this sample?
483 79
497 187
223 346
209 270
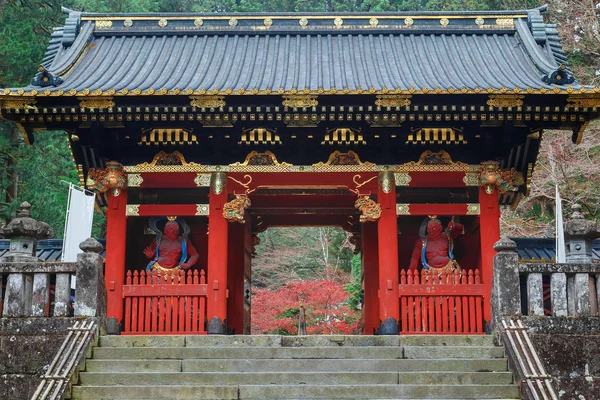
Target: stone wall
27 347
570 351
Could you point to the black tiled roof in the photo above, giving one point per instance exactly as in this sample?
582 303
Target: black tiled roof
47 250
242 53
534 249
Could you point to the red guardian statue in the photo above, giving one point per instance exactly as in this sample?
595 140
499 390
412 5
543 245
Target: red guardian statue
170 251
434 247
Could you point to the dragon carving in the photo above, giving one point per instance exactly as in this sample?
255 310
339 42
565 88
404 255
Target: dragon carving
369 210
234 210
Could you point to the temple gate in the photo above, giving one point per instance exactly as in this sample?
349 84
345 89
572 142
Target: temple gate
199 131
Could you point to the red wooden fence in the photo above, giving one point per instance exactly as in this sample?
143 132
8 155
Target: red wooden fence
165 303
447 303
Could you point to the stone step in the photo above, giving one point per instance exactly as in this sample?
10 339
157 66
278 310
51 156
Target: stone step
298 392
238 378
294 341
357 365
446 340
152 392
294 378
385 352
92 365
425 352
378 392
131 353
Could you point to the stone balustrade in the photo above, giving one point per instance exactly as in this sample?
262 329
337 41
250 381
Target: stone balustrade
28 286
560 290
570 289
28 280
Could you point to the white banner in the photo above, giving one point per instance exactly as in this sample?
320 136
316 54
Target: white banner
78 226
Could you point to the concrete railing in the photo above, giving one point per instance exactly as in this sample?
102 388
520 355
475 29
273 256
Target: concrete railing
29 285
560 290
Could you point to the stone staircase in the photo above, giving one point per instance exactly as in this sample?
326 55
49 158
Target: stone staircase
296 367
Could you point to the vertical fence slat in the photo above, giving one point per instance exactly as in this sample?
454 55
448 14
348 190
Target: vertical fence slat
202 303
134 304
128 305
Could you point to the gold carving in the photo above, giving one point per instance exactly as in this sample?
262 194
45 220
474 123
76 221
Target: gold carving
207 101
402 209
96 102
233 22
386 182
202 209
127 23
338 158
408 21
358 184
492 177
374 21
479 21
471 179
338 22
393 100
132 210
263 159
134 180
103 24
166 136
234 210
473 209
202 180
505 100
444 22
303 22
300 101
369 210
583 101
162 22
436 136
165 159
26 103
441 161
198 22
402 179
218 182
268 22
113 178
343 136
505 22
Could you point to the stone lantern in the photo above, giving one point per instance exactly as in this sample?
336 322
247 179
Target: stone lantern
24 233
579 234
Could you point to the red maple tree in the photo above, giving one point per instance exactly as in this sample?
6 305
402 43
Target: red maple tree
326 309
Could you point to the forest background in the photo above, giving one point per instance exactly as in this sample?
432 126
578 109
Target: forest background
313 267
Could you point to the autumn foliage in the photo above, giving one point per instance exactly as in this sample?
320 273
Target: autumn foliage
325 302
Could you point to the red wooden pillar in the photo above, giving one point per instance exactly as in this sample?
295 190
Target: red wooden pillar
387 234
217 257
370 264
235 277
489 228
116 229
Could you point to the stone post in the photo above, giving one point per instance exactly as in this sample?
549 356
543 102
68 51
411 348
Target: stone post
25 294
579 234
506 291
558 295
90 295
